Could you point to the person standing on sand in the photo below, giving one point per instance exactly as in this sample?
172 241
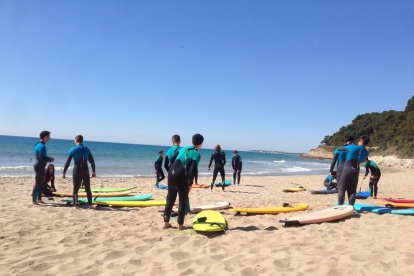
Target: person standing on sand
219 158
356 154
172 152
236 163
339 160
41 157
181 178
81 155
158 168
374 178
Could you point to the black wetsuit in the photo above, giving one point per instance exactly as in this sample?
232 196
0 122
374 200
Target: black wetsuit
158 169
39 168
81 155
219 158
180 177
236 163
170 156
375 174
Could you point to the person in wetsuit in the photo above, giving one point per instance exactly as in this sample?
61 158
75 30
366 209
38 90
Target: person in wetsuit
348 182
47 190
172 152
181 178
41 157
339 160
236 163
374 178
81 155
219 158
158 168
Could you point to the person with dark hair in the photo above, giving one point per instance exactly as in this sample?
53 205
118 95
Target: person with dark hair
172 152
41 157
181 178
374 178
47 190
356 154
219 158
339 160
81 155
236 163
158 168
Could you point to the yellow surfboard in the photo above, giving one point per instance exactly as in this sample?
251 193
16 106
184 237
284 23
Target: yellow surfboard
293 190
273 210
209 221
148 203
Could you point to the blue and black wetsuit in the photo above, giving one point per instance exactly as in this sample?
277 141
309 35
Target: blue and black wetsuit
338 160
219 158
81 155
170 156
375 176
39 168
158 169
236 163
350 173
180 177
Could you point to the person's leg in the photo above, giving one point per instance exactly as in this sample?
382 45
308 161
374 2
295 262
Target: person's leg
352 187
39 177
375 182
371 183
87 184
234 176
77 182
238 177
223 177
342 189
215 172
162 176
183 199
171 197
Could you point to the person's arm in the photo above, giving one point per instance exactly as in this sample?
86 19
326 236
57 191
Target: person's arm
233 163
65 169
240 165
167 163
334 161
52 182
366 170
92 161
211 161
224 158
191 172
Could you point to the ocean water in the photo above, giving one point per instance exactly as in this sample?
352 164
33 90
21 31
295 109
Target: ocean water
131 160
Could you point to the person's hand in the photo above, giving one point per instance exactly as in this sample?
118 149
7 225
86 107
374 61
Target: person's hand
208 168
234 171
63 176
52 159
93 174
53 190
372 177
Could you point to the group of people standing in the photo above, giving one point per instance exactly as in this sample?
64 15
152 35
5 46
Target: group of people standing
347 160
81 156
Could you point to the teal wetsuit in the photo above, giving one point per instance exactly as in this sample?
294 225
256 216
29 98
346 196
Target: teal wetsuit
180 177
170 156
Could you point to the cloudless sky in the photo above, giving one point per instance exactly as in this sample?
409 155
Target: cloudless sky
277 75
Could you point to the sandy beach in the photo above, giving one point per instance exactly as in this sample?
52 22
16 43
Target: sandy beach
60 240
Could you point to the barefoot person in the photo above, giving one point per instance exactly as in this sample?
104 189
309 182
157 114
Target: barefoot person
81 155
219 158
374 178
181 178
356 154
40 165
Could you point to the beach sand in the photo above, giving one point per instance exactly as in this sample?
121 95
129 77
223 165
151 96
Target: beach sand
60 240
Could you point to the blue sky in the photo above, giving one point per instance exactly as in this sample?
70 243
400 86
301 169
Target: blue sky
276 75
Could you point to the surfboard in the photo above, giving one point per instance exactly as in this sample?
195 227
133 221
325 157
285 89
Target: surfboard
214 206
226 183
363 195
109 190
161 186
407 212
93 194
122 198
148 203
399 200
366 207
294 190
209 221
398 205
196 185
326 215
272 210
323 192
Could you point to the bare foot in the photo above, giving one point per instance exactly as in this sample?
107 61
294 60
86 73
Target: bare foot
181 227
167 225
40 202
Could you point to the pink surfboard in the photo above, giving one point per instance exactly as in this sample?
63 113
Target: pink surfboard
326 215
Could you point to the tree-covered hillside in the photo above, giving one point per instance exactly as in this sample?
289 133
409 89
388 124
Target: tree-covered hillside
391 132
